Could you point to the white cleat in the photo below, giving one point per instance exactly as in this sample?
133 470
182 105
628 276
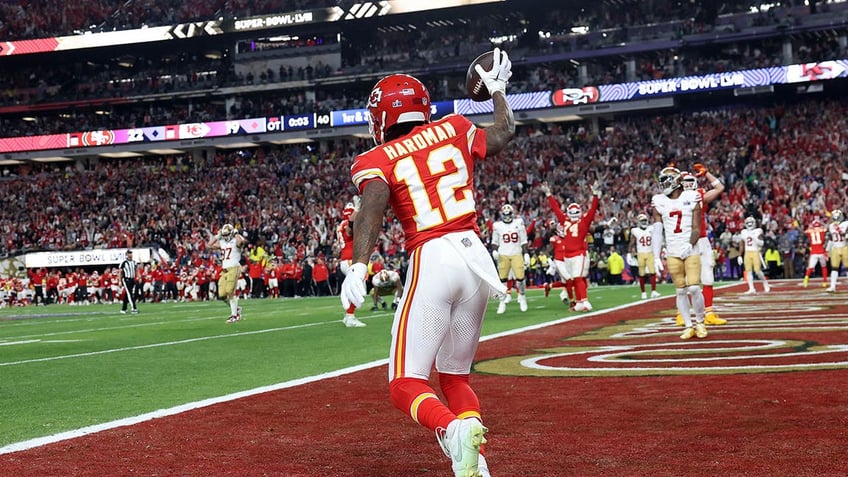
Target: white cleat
483 467
522 302
461 442
655 294
644 296
502 307
352 322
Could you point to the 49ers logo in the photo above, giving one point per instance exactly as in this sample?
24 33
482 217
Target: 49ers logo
98 138
574 96
732 350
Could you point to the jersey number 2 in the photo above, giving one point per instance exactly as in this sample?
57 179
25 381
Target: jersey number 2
453 190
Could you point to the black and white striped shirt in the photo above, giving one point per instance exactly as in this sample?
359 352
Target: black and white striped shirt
128 269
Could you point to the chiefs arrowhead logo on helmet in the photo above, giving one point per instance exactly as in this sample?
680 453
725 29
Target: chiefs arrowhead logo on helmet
396 99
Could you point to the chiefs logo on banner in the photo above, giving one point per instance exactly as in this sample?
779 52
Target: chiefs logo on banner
98 138
572 96
824 70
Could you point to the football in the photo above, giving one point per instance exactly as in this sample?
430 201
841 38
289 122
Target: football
474 85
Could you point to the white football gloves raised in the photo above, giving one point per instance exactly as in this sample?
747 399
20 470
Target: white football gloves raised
596 190
353 287
496 78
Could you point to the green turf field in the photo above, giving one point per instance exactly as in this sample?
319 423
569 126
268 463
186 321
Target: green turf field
66 367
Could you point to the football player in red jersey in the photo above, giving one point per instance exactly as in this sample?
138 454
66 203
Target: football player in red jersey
571 250
816 237
344 236
425 171
705 248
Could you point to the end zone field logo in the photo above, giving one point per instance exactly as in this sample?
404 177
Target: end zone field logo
778 333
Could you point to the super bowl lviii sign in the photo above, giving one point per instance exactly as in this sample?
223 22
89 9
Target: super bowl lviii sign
84 258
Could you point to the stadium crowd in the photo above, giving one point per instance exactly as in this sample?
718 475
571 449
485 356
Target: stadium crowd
25 19
288 199
91 95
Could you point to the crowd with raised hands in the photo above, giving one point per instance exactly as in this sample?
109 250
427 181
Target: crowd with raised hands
291 197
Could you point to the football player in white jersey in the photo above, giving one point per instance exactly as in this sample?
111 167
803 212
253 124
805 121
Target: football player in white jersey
677 219
838 249
384 283
640 245
705 248
509 237
230 243
750 247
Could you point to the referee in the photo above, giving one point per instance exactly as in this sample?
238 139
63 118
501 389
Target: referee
127 279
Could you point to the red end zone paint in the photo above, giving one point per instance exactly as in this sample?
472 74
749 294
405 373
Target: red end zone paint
542 422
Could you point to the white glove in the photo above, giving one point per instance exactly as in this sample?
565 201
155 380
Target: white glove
551 267
526 260
658 264
686 251
357 201
353 286
496 78
596 190
495 255
740 260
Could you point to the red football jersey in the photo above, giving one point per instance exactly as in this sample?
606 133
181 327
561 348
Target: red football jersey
574 241
559 247
430 173
345 239
816 237
701 191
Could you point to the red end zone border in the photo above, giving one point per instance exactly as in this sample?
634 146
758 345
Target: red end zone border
609 394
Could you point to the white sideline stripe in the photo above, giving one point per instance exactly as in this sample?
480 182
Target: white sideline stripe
40 441
159 345
62 436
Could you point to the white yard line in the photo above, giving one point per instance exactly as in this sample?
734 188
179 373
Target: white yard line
40 441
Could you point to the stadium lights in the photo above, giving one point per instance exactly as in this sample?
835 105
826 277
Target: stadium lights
237 145
52 159
10 162
121 154
166 152
560 119
294 140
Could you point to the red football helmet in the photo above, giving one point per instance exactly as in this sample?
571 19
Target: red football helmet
396 99
574 212
689 181
348 210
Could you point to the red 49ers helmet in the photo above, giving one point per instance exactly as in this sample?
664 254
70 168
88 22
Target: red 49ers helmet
396 99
